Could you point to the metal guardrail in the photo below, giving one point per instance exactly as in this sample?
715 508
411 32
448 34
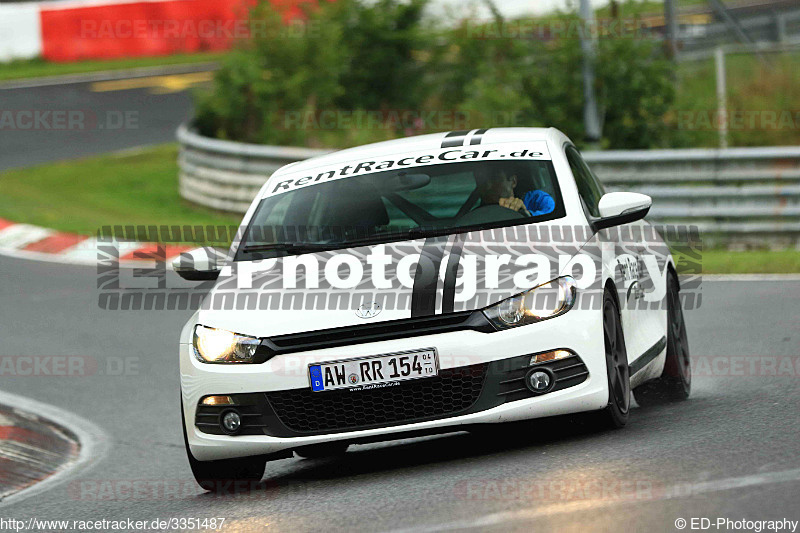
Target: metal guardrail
226 175
732 195
735 195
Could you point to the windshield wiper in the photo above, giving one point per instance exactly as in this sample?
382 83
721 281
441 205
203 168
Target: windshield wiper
291 246
413 233
418 233
378 238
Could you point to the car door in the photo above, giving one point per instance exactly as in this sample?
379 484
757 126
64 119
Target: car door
626 244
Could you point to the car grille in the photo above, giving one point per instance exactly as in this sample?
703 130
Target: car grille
379 331
451 392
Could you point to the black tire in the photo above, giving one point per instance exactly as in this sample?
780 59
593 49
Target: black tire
675 382
226 474
616 413
318 451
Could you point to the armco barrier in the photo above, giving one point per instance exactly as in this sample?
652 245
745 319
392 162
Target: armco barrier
226 175
738 195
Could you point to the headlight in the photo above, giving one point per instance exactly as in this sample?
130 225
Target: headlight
549 300
221 346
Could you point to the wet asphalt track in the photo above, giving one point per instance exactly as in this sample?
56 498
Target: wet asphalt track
731 451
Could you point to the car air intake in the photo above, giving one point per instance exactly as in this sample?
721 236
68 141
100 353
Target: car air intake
450 393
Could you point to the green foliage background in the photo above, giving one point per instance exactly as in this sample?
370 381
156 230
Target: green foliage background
367 67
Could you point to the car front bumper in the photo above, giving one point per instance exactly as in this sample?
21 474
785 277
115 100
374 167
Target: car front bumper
578 331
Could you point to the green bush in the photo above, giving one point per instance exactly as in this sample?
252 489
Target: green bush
282 68
379 59
526 82
382 41
636 92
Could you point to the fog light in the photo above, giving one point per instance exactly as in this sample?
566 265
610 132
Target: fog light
539 380
231 422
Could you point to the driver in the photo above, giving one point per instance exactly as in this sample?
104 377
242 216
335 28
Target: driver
496 186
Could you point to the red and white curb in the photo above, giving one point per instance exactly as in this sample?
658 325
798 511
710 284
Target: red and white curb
35 242
31 449
38 453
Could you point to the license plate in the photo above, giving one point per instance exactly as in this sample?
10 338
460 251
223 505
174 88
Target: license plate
373 372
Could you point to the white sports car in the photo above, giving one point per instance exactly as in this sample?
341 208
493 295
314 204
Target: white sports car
431 284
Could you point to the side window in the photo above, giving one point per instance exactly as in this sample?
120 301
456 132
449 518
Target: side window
589 187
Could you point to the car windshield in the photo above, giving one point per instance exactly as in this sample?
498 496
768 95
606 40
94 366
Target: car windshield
403 204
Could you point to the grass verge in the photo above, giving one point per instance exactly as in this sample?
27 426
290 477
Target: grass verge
36 68
124 188
718 261
631 8
141 188
763 97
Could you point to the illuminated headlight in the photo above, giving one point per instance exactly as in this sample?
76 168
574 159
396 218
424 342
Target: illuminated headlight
540 303
221 346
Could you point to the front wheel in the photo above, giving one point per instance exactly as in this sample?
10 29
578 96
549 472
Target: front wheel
675 382
215 476
619 383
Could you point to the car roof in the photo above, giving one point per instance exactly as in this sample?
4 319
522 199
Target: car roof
432 141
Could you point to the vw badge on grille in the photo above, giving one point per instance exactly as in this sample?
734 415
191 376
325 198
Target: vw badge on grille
369 310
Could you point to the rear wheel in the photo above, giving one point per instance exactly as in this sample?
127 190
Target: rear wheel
675 382
317 451
619 383
219 475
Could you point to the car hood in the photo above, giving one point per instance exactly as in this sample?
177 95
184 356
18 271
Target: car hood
392 281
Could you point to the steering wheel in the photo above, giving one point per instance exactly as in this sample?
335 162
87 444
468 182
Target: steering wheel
489 213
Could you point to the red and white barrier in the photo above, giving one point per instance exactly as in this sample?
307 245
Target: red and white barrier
20 31
149 28
105 29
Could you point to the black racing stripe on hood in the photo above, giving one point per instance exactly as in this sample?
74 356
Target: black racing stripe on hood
426 277
451 271
455 138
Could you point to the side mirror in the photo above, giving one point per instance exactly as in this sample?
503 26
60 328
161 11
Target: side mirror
618 208
200 264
